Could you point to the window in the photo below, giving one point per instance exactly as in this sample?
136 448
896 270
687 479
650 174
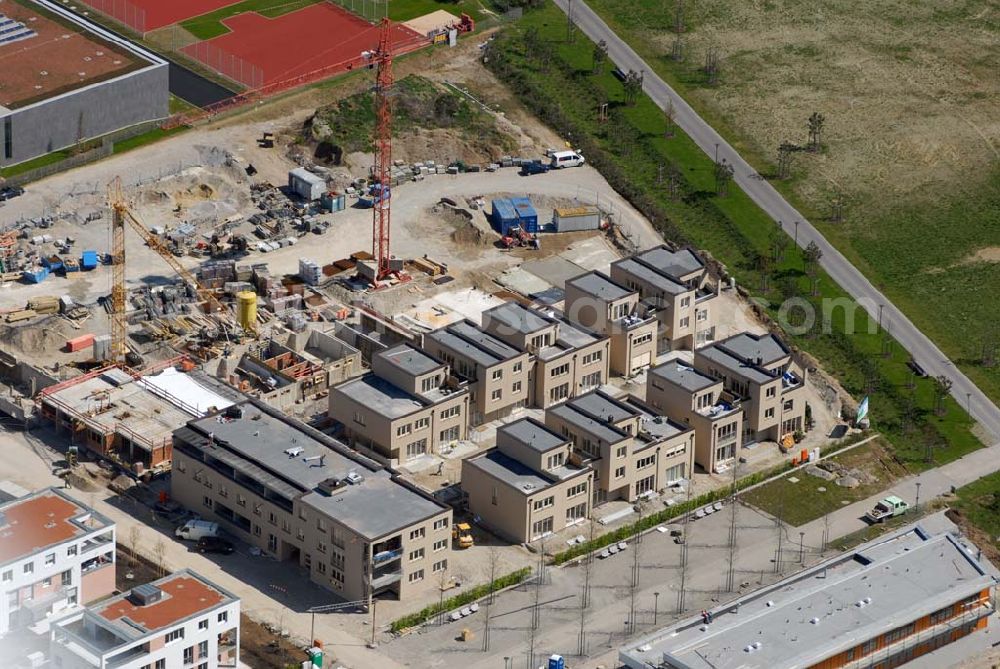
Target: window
223 617
556 460
403 430
685 322
576 512
256 530
619 311
493 498
46 582
421 423
540 527
207 502
203 665
8 575
496 395
593 357
559 393
321 567
160 664
321 524
726 452
451 412
337 575
701 315
516 387
29 568
450 434
620 473
71 550
591 380
417 534
578 489
429 384
440 523
416 449
202 649
271 518
203 624
8 139
50 559
788 405
518 366
440 565
417 555
497 374
621 452
675 473
643 463
685 302
174 635
645 485
359 418
320 546
440 545
642 339
544 503
418 575
771 392
189 655
240 500
560 370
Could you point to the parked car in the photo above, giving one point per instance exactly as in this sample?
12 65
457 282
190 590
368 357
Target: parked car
10 192
561 159
196 530
890 507
532 168
215 545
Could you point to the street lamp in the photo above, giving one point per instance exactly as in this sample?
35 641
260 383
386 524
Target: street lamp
916 504
802 553
968 404
656 605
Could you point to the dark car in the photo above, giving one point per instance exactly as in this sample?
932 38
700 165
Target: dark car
536 167
10 192
214 545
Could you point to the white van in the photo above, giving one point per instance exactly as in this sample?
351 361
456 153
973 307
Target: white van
193 530
566 159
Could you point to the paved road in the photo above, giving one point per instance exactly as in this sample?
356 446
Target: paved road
923 350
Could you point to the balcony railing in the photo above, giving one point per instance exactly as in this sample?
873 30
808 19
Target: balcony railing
387 556
388 578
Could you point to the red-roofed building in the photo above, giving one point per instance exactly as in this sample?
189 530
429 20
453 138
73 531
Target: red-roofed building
182 620
55 553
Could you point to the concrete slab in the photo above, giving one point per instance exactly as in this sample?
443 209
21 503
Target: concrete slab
591 254
523 282
555 270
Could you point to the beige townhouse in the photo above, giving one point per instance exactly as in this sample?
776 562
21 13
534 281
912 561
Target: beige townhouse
634 453
567 360
762 372
595 302
527 487
702 402
409 404
497 373
307 499
675 285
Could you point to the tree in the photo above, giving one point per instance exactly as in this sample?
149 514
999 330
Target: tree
712 65
159 553
779 242
816 121
942 386
133 544
668 115
633 87
600 56
723 175
679 17
785 151
811 256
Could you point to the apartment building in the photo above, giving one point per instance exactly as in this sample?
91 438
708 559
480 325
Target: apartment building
701 402
307 499
567 360
55 554
599 304
878 606
410 404
675 285
763 374
527 487
181 621
634 452
497 373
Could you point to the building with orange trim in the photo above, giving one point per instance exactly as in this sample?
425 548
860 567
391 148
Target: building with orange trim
879 606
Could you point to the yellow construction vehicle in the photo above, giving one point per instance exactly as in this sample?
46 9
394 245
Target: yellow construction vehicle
461 534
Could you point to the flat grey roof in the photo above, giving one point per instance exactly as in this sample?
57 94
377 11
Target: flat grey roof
816 614
672 263
599 285
410 360
658 427
467 340
767 347
256 445
572 336
592 426
726 360
517 317
652 276
380 396
532 434
602 406
518 475
688 378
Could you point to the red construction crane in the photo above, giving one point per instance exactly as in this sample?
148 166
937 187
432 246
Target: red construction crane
382 191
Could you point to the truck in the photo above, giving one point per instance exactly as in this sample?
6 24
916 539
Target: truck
461 533
193 530
890 507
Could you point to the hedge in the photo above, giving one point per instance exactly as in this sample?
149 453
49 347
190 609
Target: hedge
461 599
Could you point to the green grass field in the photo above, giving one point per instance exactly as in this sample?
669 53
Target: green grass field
909 91
554 79
979 502
210 25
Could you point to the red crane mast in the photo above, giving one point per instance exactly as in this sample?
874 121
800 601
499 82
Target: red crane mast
382 207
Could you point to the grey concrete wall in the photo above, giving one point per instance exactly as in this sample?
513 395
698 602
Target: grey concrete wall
55 124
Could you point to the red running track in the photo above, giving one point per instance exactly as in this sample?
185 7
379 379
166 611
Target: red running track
317 37
146 15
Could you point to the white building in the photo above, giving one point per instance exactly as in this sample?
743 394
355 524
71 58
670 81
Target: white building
179 622
54 554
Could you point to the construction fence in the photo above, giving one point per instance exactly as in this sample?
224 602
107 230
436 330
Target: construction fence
227 64
123 12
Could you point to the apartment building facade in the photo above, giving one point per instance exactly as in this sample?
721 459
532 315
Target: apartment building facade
761 371
55 554
597 303
698 400
497 373
675 285
409 405
634 452
305 498
567 361
178 622
527 487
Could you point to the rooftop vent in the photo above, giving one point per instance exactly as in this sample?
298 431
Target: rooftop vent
315 460
354 478
329 486
146 594
294 451
814 621
234 411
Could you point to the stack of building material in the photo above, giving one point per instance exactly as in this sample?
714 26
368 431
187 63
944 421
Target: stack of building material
44 304
310 272
102 347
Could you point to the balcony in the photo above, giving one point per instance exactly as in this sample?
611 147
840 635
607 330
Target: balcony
385 557
387 577
96 563
95 543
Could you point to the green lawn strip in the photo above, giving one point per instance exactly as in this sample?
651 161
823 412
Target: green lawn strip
556 83
208 26
889 244
178 105
35 163
849 541
979 503
800 502
459 600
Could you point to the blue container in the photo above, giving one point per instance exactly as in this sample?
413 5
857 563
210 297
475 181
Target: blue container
88 260
527 217
37 276
557 662
52 263
504 216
